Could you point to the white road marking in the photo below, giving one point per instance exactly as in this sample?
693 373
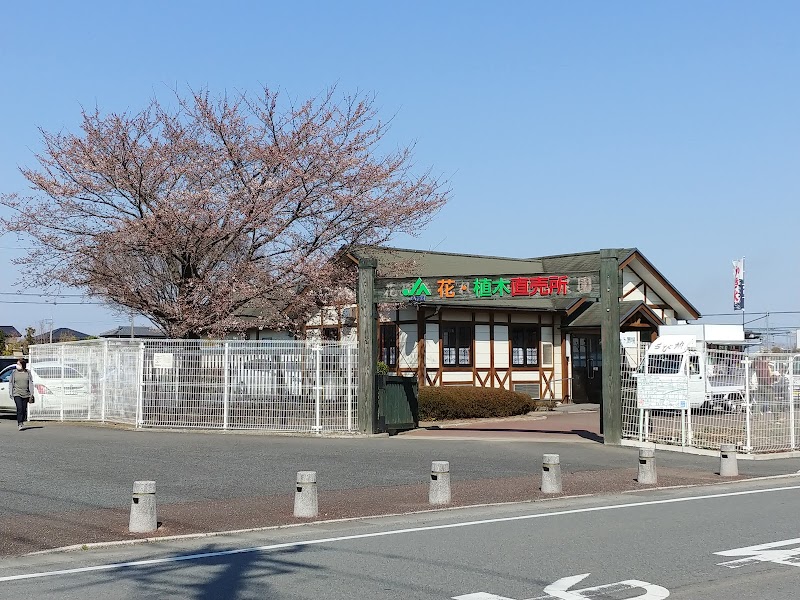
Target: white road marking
774 552
377 534
561 590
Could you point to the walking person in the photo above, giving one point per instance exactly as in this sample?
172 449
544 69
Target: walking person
20 388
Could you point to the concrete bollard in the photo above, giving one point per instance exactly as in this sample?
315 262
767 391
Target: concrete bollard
647 466
551 474
728 466
439 491
143 507
305 495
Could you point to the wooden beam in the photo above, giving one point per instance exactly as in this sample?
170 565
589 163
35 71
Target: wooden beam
611 413
367 346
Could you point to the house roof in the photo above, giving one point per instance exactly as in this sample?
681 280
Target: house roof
592 316
10 331
426 263
61 334
138 332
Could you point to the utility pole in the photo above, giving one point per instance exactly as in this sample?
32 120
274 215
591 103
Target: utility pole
367 345
611 410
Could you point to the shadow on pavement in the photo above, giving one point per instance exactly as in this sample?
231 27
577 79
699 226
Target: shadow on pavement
239 575
583 433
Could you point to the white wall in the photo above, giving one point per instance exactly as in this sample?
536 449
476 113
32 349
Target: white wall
432 345
501 346
483 353
407 342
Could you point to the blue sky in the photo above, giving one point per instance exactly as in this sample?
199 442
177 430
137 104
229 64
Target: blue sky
563 127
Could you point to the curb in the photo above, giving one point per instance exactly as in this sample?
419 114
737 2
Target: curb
209 534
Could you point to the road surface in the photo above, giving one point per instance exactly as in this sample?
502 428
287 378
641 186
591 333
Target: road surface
713 543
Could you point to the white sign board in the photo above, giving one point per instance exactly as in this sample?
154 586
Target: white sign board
673 344
163 360
627 339
662 392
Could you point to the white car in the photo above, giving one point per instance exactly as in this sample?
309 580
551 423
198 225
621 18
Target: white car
54 385
6 402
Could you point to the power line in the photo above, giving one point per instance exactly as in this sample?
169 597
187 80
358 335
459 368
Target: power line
44 295
53 303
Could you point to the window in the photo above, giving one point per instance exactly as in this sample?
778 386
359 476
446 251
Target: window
457 345
388 344
664 364
56 373
525 346
330 334
694 364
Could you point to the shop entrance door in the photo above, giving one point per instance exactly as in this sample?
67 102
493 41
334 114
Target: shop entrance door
587 369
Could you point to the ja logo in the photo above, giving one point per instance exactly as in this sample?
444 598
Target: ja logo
418 289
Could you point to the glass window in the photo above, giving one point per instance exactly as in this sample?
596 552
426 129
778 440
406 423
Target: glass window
664 364
5 376
56 372
330 333
388 344
457 345
525 346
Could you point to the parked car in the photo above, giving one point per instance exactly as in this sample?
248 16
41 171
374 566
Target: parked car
52 386
6 402
8 361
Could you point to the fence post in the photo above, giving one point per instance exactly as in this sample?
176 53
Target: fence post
318 389
349 388
790 372
105 379
63 377
91 388
748 413
684 418
140 391
226 399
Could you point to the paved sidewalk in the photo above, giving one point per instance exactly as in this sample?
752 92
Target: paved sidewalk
568 423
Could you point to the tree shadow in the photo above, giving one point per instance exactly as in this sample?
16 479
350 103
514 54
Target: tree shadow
231 575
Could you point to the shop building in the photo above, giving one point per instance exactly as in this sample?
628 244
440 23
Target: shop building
520 324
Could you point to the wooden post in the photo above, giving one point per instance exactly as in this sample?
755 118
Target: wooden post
421 326
367 345
611 411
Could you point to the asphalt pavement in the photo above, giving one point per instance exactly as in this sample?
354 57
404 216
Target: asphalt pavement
64 484
736 540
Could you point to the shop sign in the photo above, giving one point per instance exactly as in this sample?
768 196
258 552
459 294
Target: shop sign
445 289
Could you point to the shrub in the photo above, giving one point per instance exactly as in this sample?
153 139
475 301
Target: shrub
467 402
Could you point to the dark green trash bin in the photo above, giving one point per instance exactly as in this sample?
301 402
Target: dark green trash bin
398 408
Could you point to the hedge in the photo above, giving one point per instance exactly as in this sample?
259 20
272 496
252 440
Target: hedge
467 402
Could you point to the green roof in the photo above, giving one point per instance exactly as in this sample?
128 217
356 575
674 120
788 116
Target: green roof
427 263
401 262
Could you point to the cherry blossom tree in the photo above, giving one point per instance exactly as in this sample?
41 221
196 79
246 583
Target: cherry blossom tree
193 213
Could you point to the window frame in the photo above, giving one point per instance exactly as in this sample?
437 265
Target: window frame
526 328
459 329
383 348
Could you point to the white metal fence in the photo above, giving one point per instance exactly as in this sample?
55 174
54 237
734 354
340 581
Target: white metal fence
297 386
707 398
